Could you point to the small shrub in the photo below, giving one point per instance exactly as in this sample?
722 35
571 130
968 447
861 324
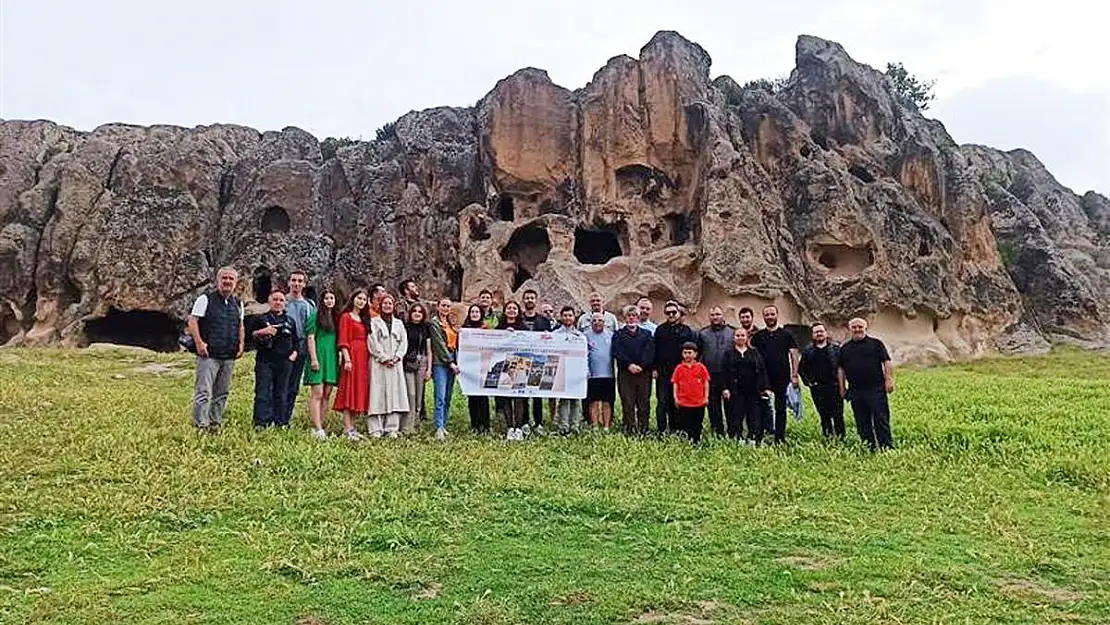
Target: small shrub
330 146
910 90
386 132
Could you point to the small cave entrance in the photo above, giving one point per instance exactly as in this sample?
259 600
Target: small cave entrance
596 246
844 260
527 249
141 328
275 219
504 208
861 174
262 284
680 228
9 323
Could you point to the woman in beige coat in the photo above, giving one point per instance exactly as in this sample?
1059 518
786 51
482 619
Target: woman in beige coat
388 393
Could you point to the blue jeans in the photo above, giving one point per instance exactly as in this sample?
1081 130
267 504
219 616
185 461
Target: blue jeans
271 379
443 384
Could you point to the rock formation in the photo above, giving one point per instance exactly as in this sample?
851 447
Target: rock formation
828 198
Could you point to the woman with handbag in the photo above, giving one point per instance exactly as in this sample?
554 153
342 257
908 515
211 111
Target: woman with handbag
417 364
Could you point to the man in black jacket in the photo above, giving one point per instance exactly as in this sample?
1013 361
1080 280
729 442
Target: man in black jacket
276 338
634 353
669 338
780 355
216 325
716 342
817 369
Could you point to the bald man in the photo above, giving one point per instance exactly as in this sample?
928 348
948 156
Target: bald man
865 377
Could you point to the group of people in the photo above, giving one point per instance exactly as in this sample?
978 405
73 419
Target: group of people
372 356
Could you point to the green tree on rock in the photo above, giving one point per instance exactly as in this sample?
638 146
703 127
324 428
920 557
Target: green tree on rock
912 91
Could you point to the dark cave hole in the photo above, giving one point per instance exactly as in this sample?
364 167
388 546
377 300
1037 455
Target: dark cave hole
595 246
805 151
923 248
9 324
820 140
275 219
478 229
505 210
680 228
141 328
861 173
527 248
262 284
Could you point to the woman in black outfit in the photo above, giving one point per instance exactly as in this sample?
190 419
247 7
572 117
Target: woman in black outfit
477 405
746 385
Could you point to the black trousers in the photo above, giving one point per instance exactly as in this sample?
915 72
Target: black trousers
718 406
749 409
872 414
478 407
271 390
690 421
830 407
666 412
635 393
535 413
776 423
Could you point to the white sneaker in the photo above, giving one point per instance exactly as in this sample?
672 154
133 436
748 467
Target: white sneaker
392 435
320 435
353 436
376 434
510 434
540 431
525 431
441 434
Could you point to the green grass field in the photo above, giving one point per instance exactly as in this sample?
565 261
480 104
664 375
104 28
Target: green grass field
995 508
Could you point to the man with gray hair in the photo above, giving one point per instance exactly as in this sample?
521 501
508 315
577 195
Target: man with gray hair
865 377
216 325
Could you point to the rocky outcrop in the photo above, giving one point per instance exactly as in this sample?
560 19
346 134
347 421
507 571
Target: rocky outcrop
828 198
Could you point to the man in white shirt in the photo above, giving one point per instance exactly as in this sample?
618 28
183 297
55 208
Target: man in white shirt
216 325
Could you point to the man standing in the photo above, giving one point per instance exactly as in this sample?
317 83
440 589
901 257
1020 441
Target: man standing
716 343
535 322
818 370
275 335
780 355
600 386
595 306
634 353
645 306
216 325
866 376
298 308
491 318
670 336
410 295
568 417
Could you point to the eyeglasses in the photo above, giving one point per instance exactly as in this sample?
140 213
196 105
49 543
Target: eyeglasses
671 312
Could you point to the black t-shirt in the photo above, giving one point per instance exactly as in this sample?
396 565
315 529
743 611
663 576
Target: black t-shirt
862 362
536 323
774 346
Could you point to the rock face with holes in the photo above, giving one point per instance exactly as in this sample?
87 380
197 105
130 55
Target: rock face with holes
829 198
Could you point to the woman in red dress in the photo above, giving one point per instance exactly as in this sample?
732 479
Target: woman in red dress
353 396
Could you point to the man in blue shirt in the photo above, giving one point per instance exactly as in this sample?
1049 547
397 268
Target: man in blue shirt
601 386
298 308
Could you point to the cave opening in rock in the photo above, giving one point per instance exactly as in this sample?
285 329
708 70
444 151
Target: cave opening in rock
680 228
844 260
596 246
262 284
142 328
275 219
9 323
861 174
527 249
505 210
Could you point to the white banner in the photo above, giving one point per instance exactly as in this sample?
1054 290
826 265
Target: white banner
522 364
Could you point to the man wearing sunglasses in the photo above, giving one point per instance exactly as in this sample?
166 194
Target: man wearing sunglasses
669 339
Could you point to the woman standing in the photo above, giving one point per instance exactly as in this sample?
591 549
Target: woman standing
389 398
352 396
745 387
322 375
512 410
477 405
417 363
445 347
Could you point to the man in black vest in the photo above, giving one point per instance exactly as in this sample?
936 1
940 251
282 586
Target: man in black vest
670 336
216 325
866 377
817 369
780 355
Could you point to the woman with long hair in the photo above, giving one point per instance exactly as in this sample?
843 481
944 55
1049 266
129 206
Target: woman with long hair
477 405
512 410
389 398
417 364
322 374
352 398
445 348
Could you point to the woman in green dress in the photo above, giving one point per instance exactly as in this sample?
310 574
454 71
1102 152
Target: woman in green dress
322 374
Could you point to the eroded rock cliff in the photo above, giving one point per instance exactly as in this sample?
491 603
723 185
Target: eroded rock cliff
828 198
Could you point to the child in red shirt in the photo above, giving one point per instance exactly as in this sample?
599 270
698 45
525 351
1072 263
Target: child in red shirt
691 391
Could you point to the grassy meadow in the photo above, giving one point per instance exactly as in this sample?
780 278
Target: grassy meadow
994 508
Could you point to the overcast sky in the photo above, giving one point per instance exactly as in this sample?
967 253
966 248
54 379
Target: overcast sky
1008 76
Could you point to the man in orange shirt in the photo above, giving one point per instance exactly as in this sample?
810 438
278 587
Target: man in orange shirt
691 391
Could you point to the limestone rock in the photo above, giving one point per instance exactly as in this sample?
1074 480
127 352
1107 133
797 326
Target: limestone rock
829 198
